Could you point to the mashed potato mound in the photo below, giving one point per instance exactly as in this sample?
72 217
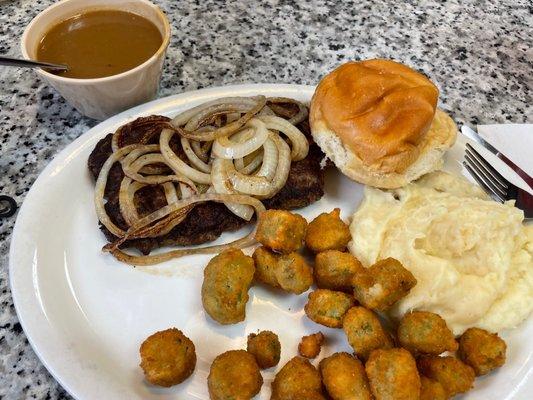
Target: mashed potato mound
472 257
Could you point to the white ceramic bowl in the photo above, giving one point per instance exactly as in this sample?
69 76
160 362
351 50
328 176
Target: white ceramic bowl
100 98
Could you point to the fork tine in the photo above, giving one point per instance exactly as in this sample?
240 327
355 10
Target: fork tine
487 170
482 183
486 166
502 192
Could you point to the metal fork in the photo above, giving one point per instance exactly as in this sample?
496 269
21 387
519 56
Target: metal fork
499 188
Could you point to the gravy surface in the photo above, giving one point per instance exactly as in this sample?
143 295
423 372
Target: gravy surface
100 43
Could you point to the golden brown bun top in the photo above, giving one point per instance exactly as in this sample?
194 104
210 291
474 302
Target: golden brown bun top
380 110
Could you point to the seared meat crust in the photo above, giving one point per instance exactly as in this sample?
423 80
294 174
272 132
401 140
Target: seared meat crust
206 221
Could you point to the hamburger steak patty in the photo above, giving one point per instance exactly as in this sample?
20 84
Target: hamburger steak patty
206 221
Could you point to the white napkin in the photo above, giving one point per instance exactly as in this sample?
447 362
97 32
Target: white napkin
514 141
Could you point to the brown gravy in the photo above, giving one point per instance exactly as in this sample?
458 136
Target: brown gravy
100 43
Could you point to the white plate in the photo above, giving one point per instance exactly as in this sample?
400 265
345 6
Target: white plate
86 314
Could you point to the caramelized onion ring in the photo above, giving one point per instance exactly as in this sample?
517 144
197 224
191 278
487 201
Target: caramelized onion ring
300 145
184 117
261 184
126 199
99 190
222 185
270 159
226 148
250 166
177 164
158 258
226 129
195 160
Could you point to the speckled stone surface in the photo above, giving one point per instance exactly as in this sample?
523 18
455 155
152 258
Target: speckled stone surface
480 53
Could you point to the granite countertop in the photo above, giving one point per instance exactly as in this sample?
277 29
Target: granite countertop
480 53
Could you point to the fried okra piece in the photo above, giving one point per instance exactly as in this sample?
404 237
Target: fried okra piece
393 375
365 332
383 284
227 279
327 307
482 350
425 332
234 375
335 270
327 232
266 265
454 375
281 231
344 377
310 346
431 389
265 347
289 272
167 357
297 380
294 274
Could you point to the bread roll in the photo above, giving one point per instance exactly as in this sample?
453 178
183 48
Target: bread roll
377 121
